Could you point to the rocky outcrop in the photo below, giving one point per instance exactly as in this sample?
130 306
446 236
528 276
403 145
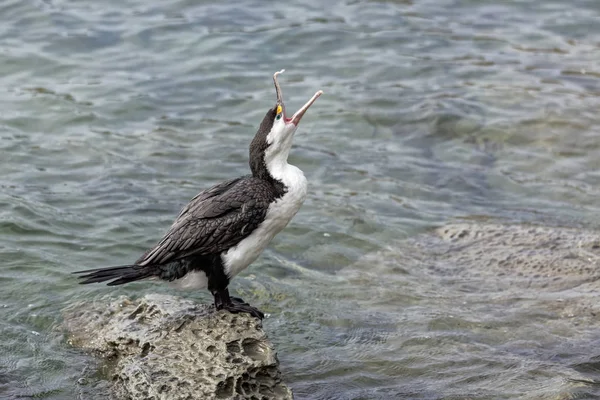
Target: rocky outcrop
533 256
165 347
556 269
560 266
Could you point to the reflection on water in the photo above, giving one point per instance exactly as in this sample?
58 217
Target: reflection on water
114 114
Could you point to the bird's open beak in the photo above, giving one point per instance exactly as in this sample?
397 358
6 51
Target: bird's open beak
298 114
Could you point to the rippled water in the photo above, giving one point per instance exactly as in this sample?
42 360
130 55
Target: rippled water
115 113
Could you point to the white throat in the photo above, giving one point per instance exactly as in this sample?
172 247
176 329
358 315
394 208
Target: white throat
276 161
276 155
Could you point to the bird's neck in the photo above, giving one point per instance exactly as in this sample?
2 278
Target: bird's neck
290 176
277 164
276 169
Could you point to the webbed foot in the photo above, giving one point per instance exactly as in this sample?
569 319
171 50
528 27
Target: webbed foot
235 305
238 307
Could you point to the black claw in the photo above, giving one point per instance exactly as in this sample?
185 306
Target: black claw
237 308
235 305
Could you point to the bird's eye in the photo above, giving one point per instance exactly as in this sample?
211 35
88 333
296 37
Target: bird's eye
278 117
279 111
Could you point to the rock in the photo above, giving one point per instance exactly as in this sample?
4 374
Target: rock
554 270
559 266
534 256
165 347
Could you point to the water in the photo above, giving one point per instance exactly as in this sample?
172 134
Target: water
115 113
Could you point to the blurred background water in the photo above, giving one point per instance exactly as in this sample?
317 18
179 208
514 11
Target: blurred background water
113 114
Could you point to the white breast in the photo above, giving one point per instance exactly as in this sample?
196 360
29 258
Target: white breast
278 216
191 280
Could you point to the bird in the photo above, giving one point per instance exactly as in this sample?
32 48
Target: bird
224 228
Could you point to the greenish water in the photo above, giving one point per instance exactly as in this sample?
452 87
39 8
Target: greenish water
114 114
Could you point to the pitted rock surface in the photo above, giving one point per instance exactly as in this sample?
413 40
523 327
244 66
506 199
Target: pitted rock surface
558 265
516 303
165 347
552 258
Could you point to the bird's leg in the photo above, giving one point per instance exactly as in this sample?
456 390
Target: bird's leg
234 305
219 299
217 284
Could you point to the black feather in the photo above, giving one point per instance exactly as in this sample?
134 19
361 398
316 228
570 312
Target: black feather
122 274
215 220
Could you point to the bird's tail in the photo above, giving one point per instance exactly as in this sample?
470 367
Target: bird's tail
121 274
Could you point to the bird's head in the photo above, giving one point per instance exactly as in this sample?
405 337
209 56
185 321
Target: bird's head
273 140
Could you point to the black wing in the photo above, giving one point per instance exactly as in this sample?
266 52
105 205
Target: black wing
215 220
